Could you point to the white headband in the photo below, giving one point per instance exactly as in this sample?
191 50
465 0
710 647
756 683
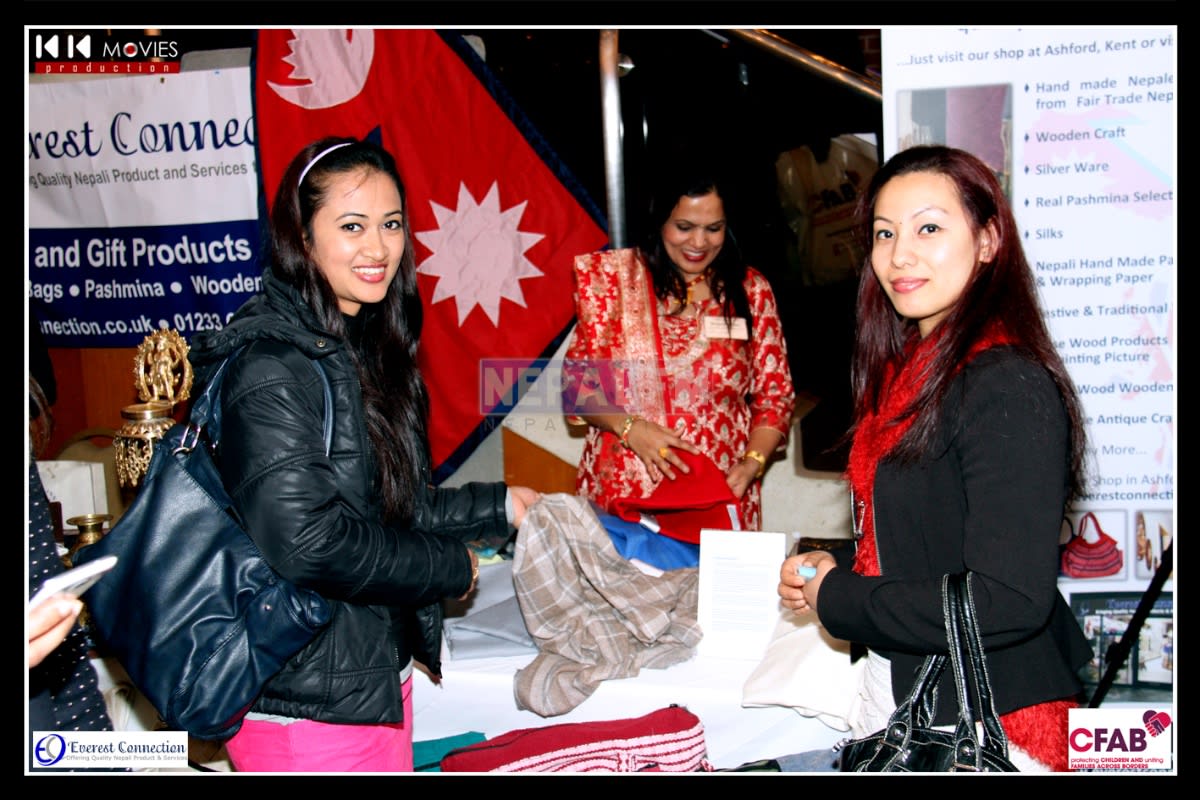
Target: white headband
317 158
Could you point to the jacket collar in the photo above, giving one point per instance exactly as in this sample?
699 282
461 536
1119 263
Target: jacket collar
277 312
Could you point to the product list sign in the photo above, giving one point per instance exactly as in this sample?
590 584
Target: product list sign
1098 204
142 205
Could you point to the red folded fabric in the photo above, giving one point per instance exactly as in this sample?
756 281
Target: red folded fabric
681 507
670 739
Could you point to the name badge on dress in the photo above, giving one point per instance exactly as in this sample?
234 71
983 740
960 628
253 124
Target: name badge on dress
716 328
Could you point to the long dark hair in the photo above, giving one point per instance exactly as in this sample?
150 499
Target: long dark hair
727 282
394 396
1001 292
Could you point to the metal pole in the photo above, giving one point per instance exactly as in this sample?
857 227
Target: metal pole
811 61
610 94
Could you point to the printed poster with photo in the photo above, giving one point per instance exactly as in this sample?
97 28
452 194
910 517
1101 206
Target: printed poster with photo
1105 617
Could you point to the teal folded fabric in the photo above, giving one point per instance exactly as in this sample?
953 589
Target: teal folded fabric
427 755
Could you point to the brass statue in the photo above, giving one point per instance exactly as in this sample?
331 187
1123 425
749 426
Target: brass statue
163 377
161 370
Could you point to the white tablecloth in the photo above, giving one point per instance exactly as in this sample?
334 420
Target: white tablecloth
477 695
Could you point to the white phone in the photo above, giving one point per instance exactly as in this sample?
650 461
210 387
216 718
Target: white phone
74 581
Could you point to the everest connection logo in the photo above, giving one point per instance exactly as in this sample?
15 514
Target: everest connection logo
102 52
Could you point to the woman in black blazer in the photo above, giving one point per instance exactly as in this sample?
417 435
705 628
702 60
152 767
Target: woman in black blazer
967 445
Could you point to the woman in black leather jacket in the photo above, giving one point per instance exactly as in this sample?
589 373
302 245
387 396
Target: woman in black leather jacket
361 525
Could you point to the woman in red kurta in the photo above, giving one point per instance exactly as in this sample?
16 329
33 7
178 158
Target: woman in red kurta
678 346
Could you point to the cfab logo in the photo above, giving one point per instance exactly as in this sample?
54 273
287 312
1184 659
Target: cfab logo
1125 739
1156 721
115 52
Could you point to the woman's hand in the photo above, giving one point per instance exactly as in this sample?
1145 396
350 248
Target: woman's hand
741 475
656 445
49 625
797 592
523 497
753 463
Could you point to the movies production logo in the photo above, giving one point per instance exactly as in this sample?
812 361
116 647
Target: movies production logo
102 52
577 387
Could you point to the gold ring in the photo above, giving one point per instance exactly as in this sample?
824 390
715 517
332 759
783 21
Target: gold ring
662 452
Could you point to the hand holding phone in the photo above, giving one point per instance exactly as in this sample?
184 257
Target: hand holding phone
73 582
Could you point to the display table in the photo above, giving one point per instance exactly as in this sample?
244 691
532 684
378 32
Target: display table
477 695
476 691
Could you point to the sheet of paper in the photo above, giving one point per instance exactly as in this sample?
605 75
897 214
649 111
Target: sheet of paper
78 485
738 604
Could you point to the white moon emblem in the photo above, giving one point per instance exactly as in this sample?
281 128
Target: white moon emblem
334 62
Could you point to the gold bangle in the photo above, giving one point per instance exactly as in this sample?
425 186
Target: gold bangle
625 427
760 458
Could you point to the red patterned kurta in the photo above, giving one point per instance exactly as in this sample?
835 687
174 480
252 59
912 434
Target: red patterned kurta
713 390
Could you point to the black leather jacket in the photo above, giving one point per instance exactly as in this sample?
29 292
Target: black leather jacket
317 518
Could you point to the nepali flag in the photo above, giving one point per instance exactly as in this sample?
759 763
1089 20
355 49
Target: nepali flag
497 221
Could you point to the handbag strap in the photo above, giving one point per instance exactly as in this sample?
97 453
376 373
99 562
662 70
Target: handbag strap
1083 521
913 714
206 411
917 711
974 695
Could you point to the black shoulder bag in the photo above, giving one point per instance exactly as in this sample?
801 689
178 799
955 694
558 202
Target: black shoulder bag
909 743
193 611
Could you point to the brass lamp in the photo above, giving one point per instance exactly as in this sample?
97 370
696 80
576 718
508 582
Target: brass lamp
163 376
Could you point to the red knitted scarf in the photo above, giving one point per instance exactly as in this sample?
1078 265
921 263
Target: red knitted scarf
1040 730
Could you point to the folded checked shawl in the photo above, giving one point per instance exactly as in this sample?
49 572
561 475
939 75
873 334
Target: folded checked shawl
592 614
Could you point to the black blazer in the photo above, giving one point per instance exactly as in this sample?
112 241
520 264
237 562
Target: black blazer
990 500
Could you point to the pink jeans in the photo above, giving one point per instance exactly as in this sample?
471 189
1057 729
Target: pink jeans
310 746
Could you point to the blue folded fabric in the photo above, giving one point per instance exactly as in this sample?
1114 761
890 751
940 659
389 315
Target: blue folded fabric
633 540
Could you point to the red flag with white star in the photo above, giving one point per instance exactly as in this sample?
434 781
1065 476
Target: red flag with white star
496 228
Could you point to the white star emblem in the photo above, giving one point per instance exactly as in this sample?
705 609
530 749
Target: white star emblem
478 254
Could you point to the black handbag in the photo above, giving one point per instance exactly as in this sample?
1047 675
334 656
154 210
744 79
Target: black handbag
192 610
909 743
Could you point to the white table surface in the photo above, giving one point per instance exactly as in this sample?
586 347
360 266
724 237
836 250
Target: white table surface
477 695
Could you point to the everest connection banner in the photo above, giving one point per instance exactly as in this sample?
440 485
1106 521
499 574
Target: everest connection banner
496 227
141 203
